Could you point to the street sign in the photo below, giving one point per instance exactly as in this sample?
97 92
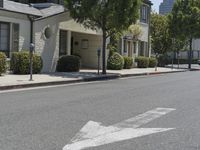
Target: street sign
94 134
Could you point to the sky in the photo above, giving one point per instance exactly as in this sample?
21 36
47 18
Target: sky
156 4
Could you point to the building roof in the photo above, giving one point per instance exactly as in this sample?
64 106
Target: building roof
39 10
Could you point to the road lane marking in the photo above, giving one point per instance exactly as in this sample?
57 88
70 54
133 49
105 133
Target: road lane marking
94 134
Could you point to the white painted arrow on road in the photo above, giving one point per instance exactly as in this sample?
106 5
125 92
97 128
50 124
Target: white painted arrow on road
93 134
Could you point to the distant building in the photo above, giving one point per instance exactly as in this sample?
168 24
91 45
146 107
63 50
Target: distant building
166 6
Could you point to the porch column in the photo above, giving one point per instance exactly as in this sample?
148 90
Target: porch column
149 49
69 35
137 49
122 46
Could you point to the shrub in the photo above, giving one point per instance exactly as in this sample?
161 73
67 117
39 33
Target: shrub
163 60
142 62
128 62
185 61
68 64
20 63
152 62
115 62
2 63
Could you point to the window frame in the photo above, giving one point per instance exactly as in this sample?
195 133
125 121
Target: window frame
13 38
144 16
7 52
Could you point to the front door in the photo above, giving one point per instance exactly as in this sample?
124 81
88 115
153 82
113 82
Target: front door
63 43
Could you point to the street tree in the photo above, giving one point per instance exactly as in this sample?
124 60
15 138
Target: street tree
107 15
160 36
135 30
185 22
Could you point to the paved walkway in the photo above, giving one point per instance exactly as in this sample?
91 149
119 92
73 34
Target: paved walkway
17 81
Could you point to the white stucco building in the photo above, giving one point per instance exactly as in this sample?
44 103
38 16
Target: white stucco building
54 33
142 47
49 26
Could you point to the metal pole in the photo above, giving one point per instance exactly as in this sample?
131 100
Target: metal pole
98 65
98 54
31 66
32 47
178 60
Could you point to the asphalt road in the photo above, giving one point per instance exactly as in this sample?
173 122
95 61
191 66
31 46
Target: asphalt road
47 119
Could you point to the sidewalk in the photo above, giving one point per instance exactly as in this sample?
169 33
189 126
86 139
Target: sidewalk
10 81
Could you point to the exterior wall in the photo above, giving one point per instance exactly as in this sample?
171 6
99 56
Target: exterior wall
71 25
145 32
88 55
196 44
142 47
49 48
24 30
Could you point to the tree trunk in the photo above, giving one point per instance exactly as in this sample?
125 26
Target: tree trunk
104 54
190 55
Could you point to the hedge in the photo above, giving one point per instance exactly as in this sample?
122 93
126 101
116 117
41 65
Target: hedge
115 62
142 62
185 61
152 62
128 62
163 60
20 63
3 64
69 63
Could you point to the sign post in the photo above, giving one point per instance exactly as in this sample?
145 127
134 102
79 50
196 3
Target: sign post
99 54
32 48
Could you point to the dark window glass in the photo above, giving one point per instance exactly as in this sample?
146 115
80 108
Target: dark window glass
144 14
63 43
4 38
15 37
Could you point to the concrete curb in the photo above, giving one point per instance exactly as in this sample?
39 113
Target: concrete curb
89 79
151 73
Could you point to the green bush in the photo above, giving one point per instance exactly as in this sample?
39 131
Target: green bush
152 62
2 63
128 62
163 60
142 62
68 64
115 62
20 63
185 61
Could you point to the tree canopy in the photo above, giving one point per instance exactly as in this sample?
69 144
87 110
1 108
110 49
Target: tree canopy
160 35
110 16
135 30
185 21
185 18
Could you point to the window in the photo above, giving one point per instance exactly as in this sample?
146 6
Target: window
15 37
144 14
125 47
4 37
63 43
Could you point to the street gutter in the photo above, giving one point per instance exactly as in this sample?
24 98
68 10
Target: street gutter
88 79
